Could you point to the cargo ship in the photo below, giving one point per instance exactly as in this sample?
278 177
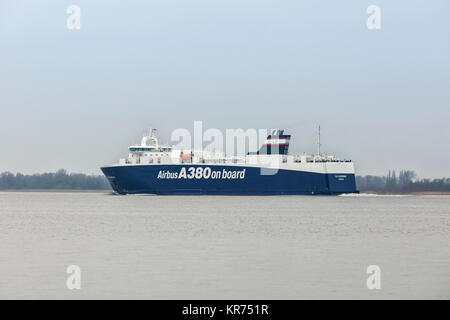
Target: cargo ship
165 170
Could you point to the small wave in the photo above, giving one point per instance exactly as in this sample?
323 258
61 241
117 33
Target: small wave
372 195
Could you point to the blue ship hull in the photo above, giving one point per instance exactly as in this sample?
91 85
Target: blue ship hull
187 179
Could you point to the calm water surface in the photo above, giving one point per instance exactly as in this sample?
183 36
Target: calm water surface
208 247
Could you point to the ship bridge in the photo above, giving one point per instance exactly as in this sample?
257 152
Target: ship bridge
149 151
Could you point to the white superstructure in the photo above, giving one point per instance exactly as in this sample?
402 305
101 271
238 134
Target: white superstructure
150 152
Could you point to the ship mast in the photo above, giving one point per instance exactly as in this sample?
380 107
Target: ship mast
318 144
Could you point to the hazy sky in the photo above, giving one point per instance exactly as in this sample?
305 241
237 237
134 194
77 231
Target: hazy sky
76 99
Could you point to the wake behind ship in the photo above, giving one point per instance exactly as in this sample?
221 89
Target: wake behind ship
160 169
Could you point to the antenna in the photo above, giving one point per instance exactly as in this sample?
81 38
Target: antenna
151 132
318 143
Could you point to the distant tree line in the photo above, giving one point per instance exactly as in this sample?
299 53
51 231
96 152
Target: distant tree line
405 182
57 180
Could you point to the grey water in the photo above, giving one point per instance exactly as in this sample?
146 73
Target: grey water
219 247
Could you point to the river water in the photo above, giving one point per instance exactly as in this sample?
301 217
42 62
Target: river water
219 247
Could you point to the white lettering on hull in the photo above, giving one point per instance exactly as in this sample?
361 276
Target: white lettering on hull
201 173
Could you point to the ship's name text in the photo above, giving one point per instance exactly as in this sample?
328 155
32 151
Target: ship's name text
201 173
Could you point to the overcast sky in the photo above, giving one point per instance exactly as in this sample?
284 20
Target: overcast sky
76 99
